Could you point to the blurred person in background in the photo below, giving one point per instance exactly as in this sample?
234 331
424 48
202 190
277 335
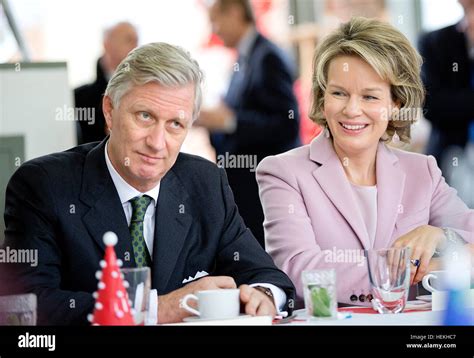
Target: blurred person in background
259 114
348 191
118 41
448 75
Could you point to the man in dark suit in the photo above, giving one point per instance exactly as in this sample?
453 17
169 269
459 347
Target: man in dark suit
171 211
119 40
448 74
259 114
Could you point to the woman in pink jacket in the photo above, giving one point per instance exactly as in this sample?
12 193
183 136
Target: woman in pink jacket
347 190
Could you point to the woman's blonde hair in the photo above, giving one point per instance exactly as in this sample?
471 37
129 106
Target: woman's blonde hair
389 53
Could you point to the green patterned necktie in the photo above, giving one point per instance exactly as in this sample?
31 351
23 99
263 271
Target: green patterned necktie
139 206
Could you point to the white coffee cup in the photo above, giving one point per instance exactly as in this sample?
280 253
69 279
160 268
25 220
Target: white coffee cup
438 300
434 281
214 304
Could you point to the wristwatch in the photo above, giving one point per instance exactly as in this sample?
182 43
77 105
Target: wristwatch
452 239
266 291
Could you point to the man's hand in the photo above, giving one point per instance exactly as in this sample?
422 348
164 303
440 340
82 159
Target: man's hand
256 303
216 119
169 310
423 242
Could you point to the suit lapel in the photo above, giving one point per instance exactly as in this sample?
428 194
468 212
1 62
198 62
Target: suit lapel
333 181
172 223
106 212
237 83
241 79
390 188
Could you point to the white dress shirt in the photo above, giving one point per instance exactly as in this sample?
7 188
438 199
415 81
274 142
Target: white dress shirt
127 192
246 42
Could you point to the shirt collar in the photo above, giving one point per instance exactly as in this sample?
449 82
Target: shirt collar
245 44
125 190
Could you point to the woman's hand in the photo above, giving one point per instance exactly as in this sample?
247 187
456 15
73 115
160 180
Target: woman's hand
423 241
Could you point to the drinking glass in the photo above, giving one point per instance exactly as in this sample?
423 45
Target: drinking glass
18 310
389 275
319 287
138 289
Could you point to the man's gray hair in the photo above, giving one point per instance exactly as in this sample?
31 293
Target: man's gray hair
165 64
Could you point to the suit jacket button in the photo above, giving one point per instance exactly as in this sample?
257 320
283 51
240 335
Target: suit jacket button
370 297
353 298
362 298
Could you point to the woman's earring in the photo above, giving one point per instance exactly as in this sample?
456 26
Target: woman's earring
395 137
326 132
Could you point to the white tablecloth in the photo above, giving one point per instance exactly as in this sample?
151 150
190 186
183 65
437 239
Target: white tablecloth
425 318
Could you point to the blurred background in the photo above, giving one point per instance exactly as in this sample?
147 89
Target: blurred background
49 48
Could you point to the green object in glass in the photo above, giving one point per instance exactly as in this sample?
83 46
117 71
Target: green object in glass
321 302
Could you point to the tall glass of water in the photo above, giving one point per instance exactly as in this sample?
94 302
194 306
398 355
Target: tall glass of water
389 275
137 282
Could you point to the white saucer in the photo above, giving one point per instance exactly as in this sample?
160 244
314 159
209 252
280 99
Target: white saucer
199 319
426 298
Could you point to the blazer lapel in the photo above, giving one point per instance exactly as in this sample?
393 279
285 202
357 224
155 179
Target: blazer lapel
172 223
241 79
333 181
106 212
390 188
